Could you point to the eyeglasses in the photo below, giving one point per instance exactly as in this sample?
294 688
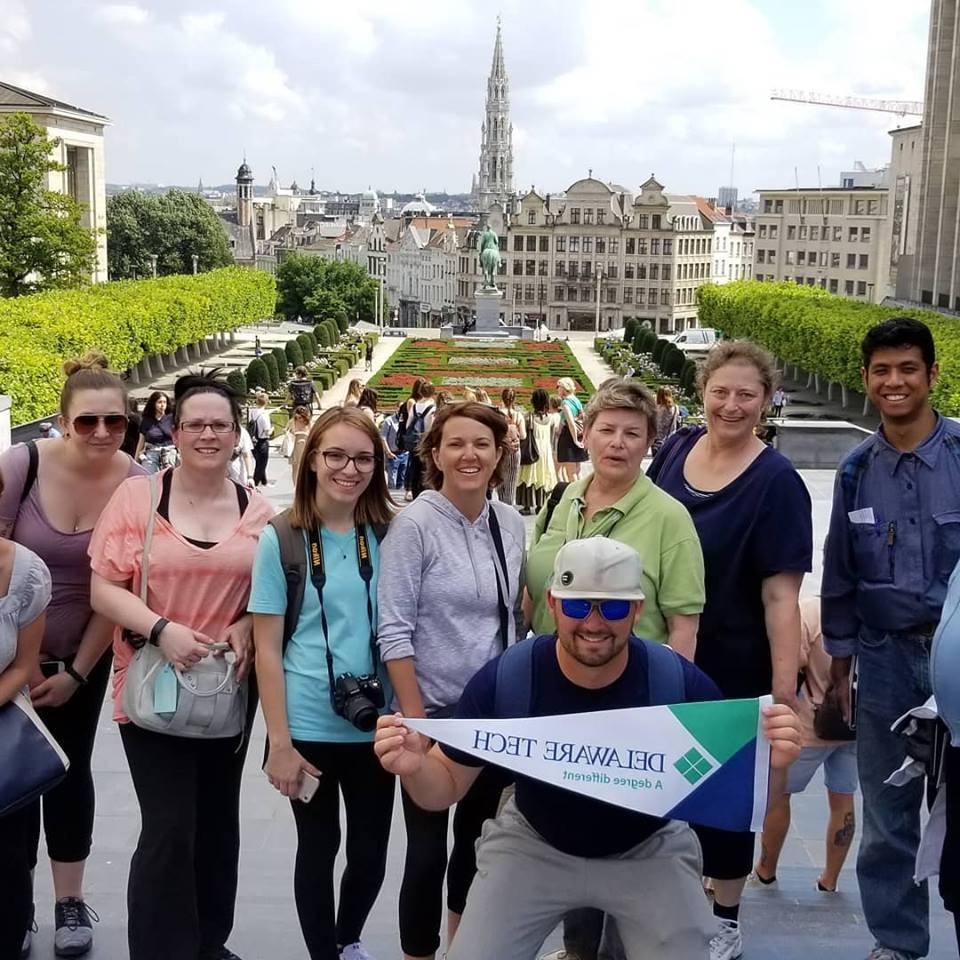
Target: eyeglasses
610 610
198 426
85 423
338 460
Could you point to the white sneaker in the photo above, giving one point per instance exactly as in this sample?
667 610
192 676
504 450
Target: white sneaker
354 951
727 944
560 955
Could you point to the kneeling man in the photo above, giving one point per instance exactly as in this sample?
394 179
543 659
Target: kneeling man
552 850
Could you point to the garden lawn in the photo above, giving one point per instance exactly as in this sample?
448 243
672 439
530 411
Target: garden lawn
452 365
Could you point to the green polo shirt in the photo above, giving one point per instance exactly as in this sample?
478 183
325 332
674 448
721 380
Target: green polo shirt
647 519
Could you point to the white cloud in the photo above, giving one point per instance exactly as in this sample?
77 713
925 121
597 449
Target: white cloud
126 14
14 25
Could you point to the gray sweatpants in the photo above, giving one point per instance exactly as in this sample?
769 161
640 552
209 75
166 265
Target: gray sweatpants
523 888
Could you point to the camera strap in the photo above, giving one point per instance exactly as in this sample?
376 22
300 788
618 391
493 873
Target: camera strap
318 574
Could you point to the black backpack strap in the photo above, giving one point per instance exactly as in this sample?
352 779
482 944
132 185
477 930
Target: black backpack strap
556 495
293 558
501 561
514 693
32 463
665 679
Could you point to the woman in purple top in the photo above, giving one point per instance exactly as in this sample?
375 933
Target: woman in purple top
753 515
52 511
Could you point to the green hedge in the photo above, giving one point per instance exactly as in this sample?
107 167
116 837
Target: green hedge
238 381
282 362
821 332
306 347
294 353
127 320
258 378
271 364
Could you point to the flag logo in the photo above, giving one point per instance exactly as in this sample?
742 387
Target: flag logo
693 766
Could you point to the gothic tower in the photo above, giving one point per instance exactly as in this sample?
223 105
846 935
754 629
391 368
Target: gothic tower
244 195
495 180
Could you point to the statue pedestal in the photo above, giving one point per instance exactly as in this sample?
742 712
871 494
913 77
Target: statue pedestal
488 304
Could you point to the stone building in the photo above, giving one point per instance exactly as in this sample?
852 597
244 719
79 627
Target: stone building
494 181
81 152
733 239
834 238
904 210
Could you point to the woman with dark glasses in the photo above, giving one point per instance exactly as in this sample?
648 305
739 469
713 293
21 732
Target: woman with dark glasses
54 492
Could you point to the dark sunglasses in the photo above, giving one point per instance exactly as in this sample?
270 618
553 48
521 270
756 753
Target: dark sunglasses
610 610
85 423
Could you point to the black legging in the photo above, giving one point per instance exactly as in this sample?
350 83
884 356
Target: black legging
421 907
16 885
261 454
68 809
353 769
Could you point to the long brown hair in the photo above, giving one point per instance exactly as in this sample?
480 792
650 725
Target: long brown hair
482 413
375 505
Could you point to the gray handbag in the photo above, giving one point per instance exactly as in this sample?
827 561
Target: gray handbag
210 702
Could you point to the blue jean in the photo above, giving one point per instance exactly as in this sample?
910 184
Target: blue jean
397 470
893 677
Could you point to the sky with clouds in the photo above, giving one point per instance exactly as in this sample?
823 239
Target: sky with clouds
391 94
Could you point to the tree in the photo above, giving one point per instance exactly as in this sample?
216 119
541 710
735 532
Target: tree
318 289
174 226
43 243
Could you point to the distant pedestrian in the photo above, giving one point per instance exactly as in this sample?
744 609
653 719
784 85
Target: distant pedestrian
257 348
668 418
516 433
354 389
156 449
261 430
779 401
368 356
301 391
537 479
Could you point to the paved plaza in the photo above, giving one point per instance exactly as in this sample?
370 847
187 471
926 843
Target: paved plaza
790 921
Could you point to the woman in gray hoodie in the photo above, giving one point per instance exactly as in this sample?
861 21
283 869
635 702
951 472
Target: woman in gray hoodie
449 596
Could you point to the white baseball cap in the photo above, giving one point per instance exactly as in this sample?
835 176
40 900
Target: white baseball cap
597 568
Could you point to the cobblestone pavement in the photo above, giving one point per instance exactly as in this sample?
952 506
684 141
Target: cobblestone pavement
790 921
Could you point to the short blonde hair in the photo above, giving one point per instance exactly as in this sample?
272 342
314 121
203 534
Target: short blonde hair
621 393
567 384
740 351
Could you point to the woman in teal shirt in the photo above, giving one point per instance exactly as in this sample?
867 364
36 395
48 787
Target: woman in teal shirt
341 507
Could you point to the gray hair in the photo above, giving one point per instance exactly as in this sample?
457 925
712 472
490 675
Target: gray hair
622 393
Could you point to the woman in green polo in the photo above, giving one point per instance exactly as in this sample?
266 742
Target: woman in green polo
617 500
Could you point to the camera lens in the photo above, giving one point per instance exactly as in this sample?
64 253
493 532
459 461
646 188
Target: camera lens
362 714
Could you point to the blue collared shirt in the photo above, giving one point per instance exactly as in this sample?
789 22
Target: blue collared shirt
894 537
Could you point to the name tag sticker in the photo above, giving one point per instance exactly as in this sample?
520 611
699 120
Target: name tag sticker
862 516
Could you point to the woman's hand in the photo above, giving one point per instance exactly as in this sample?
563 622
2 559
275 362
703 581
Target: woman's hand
781 727
54 691
182 646
284 770
399 749
240 637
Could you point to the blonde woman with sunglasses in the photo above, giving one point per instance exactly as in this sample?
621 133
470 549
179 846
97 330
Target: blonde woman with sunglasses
52 509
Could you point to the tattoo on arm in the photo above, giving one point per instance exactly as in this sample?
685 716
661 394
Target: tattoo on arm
844 836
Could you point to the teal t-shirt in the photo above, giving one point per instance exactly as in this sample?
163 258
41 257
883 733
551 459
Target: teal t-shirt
310 713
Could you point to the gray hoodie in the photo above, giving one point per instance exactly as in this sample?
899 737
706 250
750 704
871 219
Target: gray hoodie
437 595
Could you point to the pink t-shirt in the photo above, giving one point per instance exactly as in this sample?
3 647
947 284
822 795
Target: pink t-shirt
203 589
65 554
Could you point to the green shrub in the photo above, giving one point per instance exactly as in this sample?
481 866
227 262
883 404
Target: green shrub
258 377
282 362
325 376
271 363
294 353
316 334
324 336
127 320
334 332
306 348
630 329
314 345
658 349
672 360
237 380
688 376
343 325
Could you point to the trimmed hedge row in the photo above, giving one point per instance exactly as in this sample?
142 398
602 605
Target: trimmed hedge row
821 332
127 320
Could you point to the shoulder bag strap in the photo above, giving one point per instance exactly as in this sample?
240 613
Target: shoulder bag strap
148 536
32 463
514 693
501 586
665 681
294 563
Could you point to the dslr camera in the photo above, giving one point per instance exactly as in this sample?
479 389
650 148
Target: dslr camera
358 699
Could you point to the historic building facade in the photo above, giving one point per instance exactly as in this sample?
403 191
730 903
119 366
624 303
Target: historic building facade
494 181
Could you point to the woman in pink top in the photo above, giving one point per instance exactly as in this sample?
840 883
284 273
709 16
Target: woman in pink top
183 875
52 510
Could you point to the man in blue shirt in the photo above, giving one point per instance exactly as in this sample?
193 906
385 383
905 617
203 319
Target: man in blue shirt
894 539
552 850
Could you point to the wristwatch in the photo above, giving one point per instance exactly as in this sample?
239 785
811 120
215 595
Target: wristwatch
156 630
68 669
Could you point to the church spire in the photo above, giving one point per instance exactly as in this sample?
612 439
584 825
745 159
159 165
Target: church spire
494 183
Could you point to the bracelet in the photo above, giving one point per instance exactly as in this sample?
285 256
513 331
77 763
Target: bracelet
157 629
68 669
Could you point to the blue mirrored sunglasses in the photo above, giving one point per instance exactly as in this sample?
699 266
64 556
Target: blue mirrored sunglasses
610 610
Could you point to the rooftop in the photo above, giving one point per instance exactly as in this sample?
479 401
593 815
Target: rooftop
16 98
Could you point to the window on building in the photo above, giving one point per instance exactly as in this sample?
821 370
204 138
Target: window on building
588 244
815 232
771 256
530 294
804 231
654 271
641 271
588 215
761 256
613 271
851 261
518 244
835 261
864 261
677 295
542 266
666 271
611 295
642 246
665 298
859 207
561 268
758 277
531 268
668 248
762 231
572 293
586 294
531 216
628 271
864 234
655 247
573 269
811 281
768 206
601 215
561 243
614 246
873 207
574 214
655 221
643 221
628 294
652 294
791 232
790 258
574 244
601 245
861 288
834 285
586 269
631 247
544 244
778 206
558 293
837 234
852 234
518 268
641 295
848 288
531 244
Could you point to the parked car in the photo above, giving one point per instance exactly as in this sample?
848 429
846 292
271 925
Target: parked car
696 341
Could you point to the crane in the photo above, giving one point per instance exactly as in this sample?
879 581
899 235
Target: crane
900 107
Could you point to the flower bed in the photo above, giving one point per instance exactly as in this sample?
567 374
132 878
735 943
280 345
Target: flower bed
493 365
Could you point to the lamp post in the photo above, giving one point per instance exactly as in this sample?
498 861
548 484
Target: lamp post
599 278
196 260
153 265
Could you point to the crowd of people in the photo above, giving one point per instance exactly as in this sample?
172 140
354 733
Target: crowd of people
353 610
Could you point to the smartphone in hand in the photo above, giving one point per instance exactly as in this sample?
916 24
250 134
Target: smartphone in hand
308 787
